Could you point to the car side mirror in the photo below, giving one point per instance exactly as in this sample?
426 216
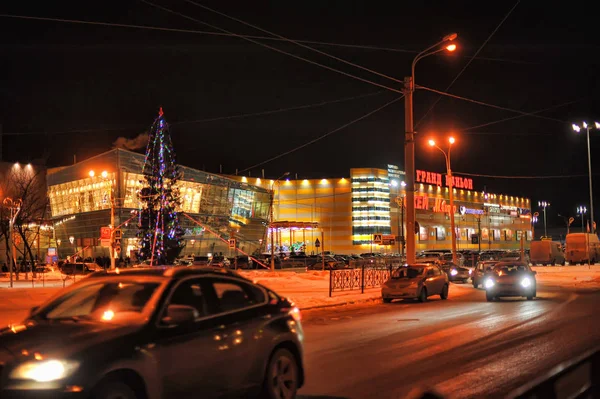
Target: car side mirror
179 314
33 310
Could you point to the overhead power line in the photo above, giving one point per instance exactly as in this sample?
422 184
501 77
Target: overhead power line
273 48
324 135
488 104
209 33
218 118
469 62
295 42
521 116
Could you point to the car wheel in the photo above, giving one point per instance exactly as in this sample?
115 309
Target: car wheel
489 297
444 294
563 262
530 298
281 381
113 390
387 300
423 295
475 285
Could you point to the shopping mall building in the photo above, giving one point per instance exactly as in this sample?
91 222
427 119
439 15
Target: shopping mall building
80 204
346 214
350 214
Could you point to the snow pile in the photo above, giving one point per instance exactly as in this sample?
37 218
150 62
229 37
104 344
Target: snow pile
569 276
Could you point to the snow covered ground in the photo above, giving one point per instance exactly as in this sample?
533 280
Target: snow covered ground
311 289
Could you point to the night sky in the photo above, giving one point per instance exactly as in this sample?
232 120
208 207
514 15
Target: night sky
75 89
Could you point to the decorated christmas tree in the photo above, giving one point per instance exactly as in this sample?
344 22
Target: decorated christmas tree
158 226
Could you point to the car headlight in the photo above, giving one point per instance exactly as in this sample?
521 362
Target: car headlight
44 371
453 272
526 282
470 271
489 283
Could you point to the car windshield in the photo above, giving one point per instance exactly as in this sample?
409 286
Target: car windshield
408 272
102 301
510 269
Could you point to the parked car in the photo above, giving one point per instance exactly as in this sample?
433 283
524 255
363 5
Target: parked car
547 252
200 261
415 281
210 332
447 257
71 269
456 273
219 261
330 264
510 279
243 262
483 267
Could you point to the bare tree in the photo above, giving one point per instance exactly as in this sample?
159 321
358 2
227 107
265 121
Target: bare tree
26 183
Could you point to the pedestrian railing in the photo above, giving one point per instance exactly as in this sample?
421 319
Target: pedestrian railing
359 278
576 378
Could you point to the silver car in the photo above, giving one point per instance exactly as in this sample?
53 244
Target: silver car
419 281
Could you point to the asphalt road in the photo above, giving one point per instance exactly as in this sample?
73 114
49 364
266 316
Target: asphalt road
461 347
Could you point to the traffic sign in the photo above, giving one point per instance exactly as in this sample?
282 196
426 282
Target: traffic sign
232 243
118 233
377 239
474 239
105 233
117 245
317 243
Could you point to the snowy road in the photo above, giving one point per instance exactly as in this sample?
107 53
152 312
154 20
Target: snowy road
464 347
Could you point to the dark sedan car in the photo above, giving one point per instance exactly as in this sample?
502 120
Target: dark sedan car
164 332
456 273
483 267
510 279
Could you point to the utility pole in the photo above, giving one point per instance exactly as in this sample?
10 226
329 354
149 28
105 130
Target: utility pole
409 165
479 232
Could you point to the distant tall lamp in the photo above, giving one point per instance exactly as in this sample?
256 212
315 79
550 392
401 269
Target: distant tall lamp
272 192
582 210
450 189
534 220
587 127
544 205
15 207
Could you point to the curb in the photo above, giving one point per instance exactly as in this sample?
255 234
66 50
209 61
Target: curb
332 305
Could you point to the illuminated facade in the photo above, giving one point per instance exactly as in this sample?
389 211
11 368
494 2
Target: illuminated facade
350 211
81 203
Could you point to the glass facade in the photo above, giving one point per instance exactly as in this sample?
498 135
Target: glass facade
370 204
81 204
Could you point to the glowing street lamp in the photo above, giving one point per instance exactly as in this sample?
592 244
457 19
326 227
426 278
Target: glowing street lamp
581 210
409 140
577 129
451 141
544 205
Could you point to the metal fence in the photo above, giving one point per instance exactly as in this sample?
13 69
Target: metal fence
359 278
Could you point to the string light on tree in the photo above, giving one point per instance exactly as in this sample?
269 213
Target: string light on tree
158 224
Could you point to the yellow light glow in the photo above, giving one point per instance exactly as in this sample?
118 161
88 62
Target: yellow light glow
271 182
451 140
104 174
258 181
431 142
343 180
305 182
108 315
451 47
244 180
92 173
324 181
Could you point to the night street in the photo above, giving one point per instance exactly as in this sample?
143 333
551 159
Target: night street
465 346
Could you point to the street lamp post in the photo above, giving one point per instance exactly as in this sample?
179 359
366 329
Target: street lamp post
588 128
104 176
544 205
409 142
15 208
581 210
272 192
450 189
